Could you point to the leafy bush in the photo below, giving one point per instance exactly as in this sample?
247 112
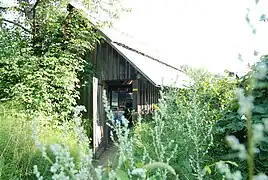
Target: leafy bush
256 129
48 81
232 123
187 118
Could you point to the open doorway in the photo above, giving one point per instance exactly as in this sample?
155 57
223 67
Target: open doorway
121 99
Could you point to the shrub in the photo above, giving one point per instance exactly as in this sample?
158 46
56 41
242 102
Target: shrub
187 117
232 123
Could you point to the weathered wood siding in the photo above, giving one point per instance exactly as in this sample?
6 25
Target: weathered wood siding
149 95
110 65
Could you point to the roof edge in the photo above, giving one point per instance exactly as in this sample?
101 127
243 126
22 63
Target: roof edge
126 58
110 42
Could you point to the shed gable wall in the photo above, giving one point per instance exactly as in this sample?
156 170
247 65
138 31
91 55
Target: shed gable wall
110 65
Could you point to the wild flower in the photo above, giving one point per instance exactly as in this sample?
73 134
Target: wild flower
37 173
260 177
258 135
265 122
139 172
225 170
245 103
235 145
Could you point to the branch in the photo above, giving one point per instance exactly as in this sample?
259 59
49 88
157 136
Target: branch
34 13
35 5
70 9
16 24
3 8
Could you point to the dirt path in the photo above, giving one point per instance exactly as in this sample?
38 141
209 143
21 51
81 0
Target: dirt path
109 155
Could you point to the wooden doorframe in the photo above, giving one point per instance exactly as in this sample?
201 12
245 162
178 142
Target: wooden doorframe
100 140
95 111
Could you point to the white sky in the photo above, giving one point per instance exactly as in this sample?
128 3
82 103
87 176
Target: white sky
202 33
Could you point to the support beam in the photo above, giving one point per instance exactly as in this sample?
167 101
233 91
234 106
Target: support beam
136 95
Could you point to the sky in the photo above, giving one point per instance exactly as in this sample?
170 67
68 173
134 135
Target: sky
201 33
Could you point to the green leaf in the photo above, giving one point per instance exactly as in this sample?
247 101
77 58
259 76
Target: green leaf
121 175
231 162
207 169
259 109
264 146
155 165
139 165
263 155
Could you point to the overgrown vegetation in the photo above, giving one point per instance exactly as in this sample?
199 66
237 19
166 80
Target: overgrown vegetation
44 46
232 123
43 52
42 69
188 119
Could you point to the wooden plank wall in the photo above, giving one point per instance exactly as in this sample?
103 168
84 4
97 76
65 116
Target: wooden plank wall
148 94
110 65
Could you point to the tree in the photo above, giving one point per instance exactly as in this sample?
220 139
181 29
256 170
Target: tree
217 90
43 50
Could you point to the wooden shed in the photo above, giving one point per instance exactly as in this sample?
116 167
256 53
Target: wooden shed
123 65
131 76
131 79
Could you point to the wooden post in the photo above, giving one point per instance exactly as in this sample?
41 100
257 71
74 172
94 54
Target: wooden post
105 127
154 95
141 95
125 68
136 95
95 111
146 95
150 96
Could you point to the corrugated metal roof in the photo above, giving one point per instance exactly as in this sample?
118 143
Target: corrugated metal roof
159 74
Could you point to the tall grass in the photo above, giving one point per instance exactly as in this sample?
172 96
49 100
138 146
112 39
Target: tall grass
18 152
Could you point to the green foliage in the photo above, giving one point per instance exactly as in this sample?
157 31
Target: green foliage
42 67
18 153
232 124
43 52
215 90
187 118
44 71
